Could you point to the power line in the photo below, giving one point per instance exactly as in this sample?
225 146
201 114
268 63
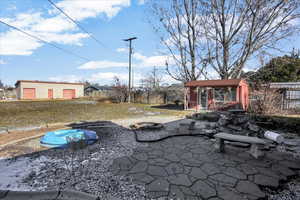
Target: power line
76 23
43 41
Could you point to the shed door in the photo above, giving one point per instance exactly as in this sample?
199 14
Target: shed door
50 93
28 93
202 98
68 93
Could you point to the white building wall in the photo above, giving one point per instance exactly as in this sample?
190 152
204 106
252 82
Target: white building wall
41 89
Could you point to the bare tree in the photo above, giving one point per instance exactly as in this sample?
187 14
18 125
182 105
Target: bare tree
119 91
153 79
236 30
177 23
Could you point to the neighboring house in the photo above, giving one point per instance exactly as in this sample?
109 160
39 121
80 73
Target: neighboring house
216 94
8 93
48 90
290 93
94 91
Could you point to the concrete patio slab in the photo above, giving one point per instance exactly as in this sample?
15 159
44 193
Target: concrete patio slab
190 168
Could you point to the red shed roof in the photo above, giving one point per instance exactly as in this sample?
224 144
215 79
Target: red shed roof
212 83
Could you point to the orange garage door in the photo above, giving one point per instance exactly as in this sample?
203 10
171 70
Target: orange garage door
68 93
28 93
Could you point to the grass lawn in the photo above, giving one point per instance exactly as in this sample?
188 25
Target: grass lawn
34 113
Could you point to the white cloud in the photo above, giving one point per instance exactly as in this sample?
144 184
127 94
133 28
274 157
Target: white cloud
11 7
141 2
139 56
56 28
66 78
102 64
141 62
15 43
107 76
55 24
81 10
99 77
151 61
121 50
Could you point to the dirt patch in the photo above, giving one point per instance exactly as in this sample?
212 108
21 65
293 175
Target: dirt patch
10 137
21 148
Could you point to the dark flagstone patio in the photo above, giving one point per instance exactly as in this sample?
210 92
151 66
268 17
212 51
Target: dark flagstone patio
189 168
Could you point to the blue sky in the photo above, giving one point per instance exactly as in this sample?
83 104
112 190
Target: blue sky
110 21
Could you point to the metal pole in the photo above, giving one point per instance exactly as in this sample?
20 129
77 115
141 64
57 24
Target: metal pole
129 70
129 81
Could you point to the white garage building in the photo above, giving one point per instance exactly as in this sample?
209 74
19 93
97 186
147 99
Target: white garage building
48 90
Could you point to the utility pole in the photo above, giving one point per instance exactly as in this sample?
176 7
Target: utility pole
129 81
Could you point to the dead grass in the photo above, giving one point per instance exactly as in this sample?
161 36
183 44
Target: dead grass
36 113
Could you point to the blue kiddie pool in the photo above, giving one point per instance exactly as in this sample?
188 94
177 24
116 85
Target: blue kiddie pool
60 138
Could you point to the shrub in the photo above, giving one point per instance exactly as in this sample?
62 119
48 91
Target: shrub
265 101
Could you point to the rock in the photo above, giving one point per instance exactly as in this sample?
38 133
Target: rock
290 142
250 188
211 117
238 119
212 125
209 131
180 179
210 169
236 128
159 185
253 127
176 193
222 178
203 189
174 168
231 171
198 173
142 178
132 109
223 122
156 171
85 162
227 194
266 180
96 155
139 167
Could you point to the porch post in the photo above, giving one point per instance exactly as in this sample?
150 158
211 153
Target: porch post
185 98
197 103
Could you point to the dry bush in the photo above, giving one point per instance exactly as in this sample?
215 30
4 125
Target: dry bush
119 93
265 101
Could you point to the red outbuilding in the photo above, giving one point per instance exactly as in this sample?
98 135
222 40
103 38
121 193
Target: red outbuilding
216 94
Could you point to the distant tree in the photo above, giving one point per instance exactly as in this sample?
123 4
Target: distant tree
279 69
153 80
1 84
119 90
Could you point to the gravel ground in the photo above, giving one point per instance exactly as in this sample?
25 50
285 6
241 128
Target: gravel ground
289 191
92 164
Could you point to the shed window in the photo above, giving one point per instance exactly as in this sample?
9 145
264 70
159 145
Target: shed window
225 94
